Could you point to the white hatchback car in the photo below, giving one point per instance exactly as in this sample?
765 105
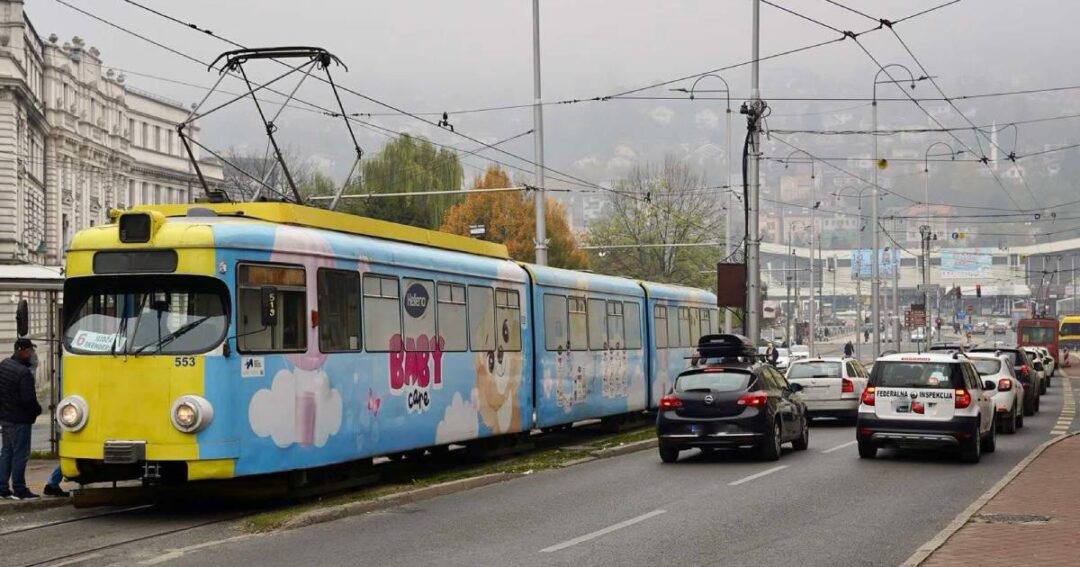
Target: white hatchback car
831 387
1008 395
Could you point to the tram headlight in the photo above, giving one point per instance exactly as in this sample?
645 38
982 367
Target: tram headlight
71 413
191 414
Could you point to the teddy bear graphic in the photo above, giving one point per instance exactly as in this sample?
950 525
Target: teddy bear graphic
498 377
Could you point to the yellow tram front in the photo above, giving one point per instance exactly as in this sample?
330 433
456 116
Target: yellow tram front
145 312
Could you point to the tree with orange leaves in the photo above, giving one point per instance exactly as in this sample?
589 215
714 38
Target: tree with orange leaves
508 218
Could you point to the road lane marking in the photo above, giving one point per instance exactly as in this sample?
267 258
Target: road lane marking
757 476
838 447
598 533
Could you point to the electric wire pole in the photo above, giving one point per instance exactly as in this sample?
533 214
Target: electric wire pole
538 143
754 110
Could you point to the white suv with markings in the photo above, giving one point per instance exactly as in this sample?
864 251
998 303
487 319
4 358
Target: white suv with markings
926 401
832 387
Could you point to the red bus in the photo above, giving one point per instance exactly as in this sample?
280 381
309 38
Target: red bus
1038 332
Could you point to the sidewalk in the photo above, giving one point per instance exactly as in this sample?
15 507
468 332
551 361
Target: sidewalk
37 472
1034 520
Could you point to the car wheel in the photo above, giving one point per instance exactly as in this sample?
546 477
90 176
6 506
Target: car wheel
989 443
1038 402
971 450
769 450
1019 417
668 454
1042 387
803 442
867 450
1009 424
1029 405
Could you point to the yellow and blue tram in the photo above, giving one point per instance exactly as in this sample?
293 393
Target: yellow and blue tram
213 341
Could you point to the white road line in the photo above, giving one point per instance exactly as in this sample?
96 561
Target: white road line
758 475
598 533
838 447
75 560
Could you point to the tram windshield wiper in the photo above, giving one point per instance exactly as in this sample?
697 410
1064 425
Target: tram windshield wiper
160 343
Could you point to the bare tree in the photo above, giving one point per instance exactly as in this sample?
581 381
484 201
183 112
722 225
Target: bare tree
659 226
246 172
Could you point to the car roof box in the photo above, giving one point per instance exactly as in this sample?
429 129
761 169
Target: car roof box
725 346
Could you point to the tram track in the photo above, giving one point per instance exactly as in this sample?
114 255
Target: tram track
115 525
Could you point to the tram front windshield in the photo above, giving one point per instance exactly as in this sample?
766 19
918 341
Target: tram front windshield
144 315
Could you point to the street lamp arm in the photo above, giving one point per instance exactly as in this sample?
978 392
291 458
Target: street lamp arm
726 91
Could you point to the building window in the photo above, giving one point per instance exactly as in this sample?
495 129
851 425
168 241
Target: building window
145 140
339 310
289 296
131 193
157 138
382 309
145 193
172 149
453 323
131 131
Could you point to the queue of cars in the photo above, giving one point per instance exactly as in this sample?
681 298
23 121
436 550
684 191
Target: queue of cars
947 398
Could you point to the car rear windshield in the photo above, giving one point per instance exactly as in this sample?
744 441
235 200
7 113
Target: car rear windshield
986 366
1012 354
713 381
893 374
814 370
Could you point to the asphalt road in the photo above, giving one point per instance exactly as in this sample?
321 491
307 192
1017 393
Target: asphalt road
824 506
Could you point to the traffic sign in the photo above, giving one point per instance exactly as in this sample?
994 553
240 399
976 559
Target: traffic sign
960 315
970 309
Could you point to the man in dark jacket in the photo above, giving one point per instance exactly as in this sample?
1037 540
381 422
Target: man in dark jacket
19 409
849 349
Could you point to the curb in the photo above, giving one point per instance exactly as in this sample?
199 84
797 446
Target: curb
927 549
340 511
391 500
43 503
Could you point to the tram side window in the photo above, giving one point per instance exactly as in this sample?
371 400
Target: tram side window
339 310
453 323
597 324
289 332
481 318
615 325
555 339
382 313
686 337
660 326
419 316
579 324
508 319
673 327
632 313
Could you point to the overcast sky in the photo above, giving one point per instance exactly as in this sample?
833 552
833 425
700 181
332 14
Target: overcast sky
435 55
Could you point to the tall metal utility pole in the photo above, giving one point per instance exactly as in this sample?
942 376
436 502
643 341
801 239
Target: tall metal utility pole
538 142
753 261
728 245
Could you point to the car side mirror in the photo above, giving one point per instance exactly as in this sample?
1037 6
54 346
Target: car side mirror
989 385
268 306
795 387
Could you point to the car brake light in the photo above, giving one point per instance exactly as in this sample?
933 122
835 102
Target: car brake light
670 402
918 407
754 400
1024 371
1004 385
962 399
868 396
847 386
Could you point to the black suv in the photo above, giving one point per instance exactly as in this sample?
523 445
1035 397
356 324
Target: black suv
1025 372
729 398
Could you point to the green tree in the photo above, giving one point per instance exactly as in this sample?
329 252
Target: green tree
408 165
508 219
655 206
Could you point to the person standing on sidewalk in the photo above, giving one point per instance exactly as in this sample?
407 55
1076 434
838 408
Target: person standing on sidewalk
19 409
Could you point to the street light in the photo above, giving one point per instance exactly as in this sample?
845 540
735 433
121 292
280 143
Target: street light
875 283
728 251
813 232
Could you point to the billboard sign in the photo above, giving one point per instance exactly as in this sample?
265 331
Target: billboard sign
862 267
967 263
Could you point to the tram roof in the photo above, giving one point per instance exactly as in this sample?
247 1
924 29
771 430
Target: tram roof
311 217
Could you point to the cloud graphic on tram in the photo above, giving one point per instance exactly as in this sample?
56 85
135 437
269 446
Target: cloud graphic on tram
460 421
300 407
